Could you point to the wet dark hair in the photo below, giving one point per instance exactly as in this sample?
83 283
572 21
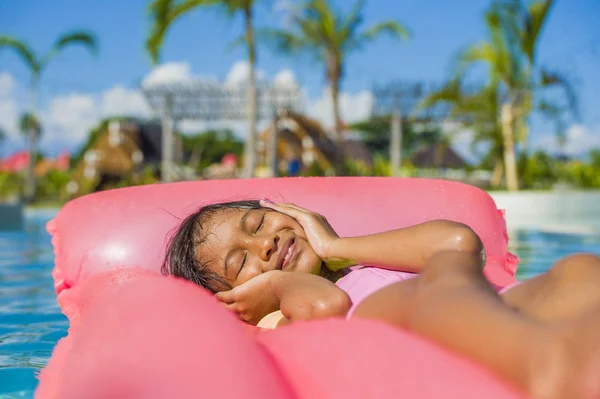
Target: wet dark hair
181 260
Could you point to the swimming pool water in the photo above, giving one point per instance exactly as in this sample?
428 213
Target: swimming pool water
31 322
538 250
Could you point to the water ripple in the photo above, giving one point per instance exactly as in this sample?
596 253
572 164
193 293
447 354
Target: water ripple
30 320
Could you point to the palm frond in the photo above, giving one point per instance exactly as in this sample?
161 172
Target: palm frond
159 11
162 14
311 25
321 18
86 39
284 41
449 93
352 21
241 40
481 52
233 6
503 21
22 50
553 79
537 15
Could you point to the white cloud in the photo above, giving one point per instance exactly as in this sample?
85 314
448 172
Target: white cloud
239 73
173 72
7 84
68 119
285 79
120 101
353 107
579 140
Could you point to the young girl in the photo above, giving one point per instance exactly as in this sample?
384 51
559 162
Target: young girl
259 258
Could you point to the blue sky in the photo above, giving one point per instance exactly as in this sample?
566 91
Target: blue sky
76 85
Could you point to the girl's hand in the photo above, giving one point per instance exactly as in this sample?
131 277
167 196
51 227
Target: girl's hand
319 232
252 300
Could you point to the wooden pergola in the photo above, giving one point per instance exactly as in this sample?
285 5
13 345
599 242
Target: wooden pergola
213 101
401 100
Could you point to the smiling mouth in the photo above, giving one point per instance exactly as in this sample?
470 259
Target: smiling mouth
287 252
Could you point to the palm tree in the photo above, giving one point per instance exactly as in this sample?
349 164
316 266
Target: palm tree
36 65
478 111
165 12
29 125
516 81
329 36
2 137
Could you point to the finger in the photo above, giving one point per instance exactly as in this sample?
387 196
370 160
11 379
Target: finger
283 208
232 307
225 296
296 207
302 211
289 207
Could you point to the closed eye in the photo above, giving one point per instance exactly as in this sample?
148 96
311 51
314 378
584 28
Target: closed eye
242 265
260 225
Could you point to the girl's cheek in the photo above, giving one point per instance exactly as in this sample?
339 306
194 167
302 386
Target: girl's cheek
248 273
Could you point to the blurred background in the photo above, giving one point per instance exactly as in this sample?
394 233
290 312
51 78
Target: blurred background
94 95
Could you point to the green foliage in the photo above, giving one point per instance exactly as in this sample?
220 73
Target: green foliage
514 34
595 158
376 134
22 50
381 166
164 12
541 171
408 169
537 171
328 35
314 170
53 186
146 176
36 63
580 174
211 146
356 168
11 185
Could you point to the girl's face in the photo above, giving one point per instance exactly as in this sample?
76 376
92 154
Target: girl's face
243 243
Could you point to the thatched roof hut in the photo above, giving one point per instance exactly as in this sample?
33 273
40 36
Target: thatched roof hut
440 156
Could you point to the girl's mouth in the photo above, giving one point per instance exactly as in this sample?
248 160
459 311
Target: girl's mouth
286 254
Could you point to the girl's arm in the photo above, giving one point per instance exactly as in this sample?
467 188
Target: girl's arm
305 296
407 249
299 296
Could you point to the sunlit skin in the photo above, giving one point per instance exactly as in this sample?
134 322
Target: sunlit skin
534 335
245 243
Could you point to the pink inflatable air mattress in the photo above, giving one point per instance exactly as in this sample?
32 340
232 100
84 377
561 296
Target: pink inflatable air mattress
136 334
